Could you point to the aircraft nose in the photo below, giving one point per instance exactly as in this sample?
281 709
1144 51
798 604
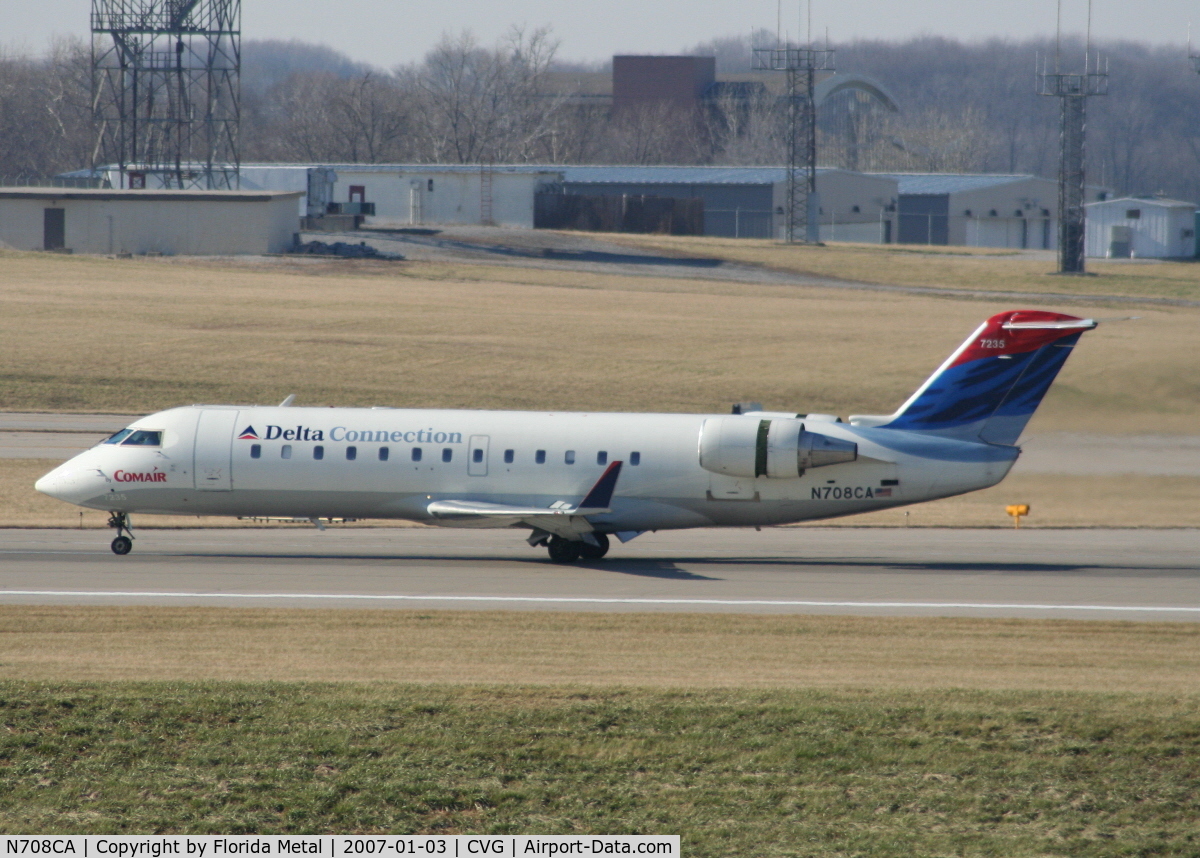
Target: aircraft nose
69 484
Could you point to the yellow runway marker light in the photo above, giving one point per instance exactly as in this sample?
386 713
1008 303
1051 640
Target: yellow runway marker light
1016 510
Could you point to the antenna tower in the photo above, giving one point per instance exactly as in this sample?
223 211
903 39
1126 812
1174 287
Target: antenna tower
1072 89
801 65
165 91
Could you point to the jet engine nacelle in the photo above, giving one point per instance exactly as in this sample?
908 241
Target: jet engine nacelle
749 447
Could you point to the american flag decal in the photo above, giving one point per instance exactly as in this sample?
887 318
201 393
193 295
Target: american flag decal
883 493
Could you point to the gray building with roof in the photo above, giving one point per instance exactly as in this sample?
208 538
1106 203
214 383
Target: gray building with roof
749 202
166 222
745 202
979 210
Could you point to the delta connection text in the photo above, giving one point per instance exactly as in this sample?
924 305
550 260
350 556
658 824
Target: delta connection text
341 433
338 846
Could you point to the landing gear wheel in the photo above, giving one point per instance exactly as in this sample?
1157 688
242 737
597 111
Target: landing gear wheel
123 544
563 550
594 552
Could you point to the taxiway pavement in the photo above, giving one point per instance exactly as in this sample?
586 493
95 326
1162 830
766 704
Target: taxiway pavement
1082 574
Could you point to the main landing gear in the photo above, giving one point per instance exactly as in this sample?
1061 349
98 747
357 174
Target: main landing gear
122 544
570 550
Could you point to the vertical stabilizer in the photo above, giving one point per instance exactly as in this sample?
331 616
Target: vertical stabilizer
989 388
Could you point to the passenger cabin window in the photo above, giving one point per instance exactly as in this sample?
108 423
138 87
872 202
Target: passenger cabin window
447 454
416 454
285 452
118 437
351 454
569 458
143 438
540 457
255 451
383 454
635 458
602 458
318 452
508 457
477 455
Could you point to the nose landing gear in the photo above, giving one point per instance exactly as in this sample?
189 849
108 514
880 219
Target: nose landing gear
122 544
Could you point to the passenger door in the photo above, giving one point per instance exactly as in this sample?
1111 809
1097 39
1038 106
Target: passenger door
212 456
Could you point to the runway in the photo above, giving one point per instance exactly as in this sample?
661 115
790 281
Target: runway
1081 574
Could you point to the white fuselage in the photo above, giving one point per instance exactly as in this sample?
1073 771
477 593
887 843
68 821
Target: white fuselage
205 467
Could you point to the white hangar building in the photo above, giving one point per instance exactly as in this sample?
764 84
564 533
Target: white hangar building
399 193
86 220
413 194
1144 228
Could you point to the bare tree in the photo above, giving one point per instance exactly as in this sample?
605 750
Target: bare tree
486 104
936 141
45 121
326 117
748 130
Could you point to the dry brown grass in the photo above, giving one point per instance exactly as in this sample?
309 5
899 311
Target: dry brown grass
945 267
138 335
67 644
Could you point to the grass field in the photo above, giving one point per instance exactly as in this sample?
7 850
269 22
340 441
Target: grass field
778 773
944 267
746 735
138 335
700 651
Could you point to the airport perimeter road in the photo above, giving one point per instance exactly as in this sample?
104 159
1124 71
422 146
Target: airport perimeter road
1083 574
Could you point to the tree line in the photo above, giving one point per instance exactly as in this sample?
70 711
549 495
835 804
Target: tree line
964 107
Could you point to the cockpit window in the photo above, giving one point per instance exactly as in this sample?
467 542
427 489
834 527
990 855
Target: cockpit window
143 438
118 437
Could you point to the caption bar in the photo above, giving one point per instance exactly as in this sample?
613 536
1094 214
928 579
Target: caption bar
337 846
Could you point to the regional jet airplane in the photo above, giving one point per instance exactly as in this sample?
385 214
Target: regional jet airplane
575 479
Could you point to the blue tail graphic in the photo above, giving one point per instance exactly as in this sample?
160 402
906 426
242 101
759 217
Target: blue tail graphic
990 387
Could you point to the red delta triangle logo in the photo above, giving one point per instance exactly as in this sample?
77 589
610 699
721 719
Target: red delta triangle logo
248 434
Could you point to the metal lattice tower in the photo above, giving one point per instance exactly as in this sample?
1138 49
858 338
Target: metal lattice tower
1072 90
801 65
165 91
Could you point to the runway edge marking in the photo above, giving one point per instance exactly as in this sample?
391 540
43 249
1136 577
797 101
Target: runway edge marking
783 603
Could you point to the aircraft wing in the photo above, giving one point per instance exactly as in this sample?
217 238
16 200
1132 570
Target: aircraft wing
561 518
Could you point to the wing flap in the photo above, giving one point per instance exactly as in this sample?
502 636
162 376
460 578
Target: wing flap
560 518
